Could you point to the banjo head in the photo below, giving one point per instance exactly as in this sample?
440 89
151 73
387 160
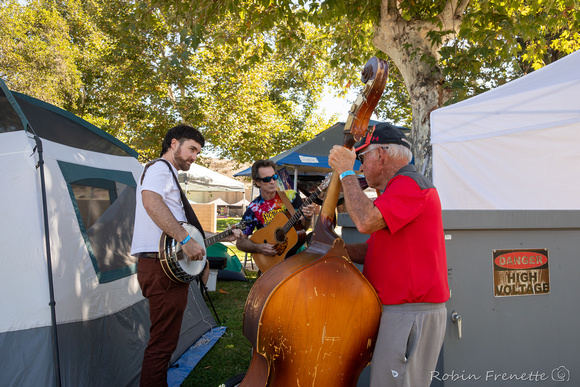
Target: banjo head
175 261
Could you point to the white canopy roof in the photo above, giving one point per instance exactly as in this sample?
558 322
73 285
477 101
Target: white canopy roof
220 202
514 147
241 203
200 178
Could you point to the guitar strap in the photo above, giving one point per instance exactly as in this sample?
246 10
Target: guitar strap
286 202
189 213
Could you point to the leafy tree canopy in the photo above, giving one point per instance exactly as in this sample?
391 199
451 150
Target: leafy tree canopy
494 40
36 55
250 73
137 75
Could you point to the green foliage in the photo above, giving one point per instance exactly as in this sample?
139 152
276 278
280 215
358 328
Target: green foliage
246 95
500 41
129 85
36 54
250 73
394 105
255 111
223 223
138 72
496 40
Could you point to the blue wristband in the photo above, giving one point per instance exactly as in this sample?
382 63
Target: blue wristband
345 174
187 238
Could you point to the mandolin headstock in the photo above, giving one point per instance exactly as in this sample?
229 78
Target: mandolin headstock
374 76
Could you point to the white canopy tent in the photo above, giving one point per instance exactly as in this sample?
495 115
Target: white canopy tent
241 203
200 178
514 147
220 202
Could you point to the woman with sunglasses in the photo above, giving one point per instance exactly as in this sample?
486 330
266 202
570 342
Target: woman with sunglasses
263 208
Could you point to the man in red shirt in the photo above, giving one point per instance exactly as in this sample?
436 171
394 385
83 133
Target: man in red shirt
404 258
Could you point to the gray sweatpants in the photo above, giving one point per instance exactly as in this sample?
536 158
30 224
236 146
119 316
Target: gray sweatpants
408 345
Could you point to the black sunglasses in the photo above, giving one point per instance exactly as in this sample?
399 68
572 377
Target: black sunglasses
267 179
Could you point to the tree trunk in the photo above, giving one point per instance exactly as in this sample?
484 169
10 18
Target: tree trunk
416 56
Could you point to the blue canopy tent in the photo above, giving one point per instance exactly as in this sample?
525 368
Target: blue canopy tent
311 157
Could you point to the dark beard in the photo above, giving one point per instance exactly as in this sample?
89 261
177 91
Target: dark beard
182 164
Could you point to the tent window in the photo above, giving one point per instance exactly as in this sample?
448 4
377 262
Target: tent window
92 200
104 201
10 121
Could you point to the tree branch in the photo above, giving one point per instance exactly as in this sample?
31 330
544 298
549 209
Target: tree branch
391 8
461 8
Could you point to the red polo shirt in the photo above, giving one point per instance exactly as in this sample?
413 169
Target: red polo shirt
406 262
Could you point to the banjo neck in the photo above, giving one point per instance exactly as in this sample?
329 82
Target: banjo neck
224 234
217 237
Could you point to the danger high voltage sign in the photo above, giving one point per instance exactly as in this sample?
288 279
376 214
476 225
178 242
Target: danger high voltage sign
520 272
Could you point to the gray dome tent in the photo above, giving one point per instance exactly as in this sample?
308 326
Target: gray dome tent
73 313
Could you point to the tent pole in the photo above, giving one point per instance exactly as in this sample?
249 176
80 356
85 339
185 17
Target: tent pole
296 179
52 303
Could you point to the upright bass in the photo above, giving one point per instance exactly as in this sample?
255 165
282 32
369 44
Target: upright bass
313 318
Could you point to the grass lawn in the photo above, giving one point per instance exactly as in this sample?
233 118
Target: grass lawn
231 354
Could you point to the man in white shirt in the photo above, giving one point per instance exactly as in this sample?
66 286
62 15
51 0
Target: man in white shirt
160 209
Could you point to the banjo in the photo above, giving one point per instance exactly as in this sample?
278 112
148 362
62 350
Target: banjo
174 261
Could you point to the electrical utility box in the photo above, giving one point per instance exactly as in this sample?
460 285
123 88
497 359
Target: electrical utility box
514 311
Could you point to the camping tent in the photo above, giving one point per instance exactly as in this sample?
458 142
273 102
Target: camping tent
513 147
200 178
72 310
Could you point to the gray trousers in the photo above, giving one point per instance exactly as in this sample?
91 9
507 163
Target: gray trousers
408 345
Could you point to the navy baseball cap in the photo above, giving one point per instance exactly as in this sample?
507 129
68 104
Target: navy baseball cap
383 133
